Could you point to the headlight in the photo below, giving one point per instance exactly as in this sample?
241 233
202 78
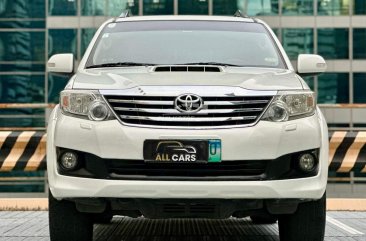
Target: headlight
291 105
84 104
98 111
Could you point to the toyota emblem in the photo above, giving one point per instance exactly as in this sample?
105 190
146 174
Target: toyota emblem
188 103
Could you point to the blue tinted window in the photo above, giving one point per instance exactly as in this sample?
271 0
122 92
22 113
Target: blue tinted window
297 7
62 41
310 81
248 7
22 46
19 23
108 8
25 88
62 7
298 41
334 7
93 7
161 7
225 7
333 43
56 83
359 7
193 7
116 7
20 66
359 87
34 187
359 46
22 118
86 36
259 8
333 88
37 8
22 9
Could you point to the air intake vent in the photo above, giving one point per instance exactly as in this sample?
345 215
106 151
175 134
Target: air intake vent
187 69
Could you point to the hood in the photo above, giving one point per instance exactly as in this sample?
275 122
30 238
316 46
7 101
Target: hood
247 78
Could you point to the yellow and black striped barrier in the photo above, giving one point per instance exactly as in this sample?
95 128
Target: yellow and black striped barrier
22 150
26 151
347 151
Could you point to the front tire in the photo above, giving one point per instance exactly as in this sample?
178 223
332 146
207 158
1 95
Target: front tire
102 218
306 224
66 223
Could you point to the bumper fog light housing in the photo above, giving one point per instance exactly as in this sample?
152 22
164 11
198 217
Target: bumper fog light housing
69 161
307 162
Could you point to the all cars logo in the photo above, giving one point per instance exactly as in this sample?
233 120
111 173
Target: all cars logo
175 151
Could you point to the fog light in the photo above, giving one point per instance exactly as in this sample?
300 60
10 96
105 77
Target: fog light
69 160
307 162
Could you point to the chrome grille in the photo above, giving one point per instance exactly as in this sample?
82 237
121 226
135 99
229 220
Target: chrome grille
216 111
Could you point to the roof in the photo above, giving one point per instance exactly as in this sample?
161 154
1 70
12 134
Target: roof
184 17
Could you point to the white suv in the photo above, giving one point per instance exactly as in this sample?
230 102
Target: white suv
187 116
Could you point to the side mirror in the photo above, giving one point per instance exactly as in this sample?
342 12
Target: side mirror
310 64
61 63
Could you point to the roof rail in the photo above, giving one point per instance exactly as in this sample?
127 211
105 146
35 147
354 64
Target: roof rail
240 14
125 14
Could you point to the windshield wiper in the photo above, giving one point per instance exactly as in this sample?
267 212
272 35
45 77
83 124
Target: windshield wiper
118 64
212 63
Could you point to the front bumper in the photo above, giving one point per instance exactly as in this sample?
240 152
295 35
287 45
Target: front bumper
112 140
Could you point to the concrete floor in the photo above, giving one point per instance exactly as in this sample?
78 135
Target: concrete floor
33 226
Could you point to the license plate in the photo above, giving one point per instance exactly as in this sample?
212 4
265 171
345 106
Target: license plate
182 151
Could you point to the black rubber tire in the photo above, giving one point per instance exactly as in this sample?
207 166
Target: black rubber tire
263 220
66 223
102 218
306 224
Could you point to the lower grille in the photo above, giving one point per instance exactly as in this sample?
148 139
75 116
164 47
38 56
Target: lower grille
215 111
136 169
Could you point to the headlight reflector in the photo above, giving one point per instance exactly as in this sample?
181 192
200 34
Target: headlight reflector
98 111
76 103
84 104
278 111
291 105
299 104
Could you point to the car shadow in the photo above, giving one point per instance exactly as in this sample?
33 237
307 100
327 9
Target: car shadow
142 229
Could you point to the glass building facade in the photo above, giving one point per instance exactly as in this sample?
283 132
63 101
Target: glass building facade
33 30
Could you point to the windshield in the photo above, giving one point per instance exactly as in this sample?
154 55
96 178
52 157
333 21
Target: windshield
185 42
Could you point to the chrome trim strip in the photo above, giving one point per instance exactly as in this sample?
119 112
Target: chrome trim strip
202 111
190 119
143 102
167 102
243 102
